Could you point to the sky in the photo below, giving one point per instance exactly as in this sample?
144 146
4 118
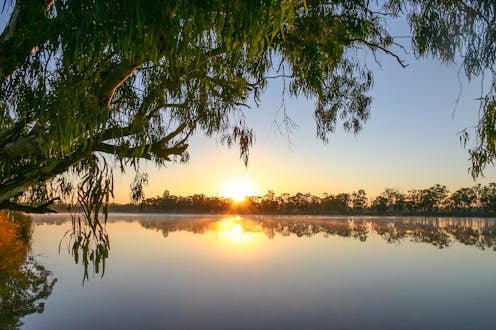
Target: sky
409 142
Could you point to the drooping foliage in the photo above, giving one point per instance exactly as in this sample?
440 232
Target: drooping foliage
463 32
134 79
87 85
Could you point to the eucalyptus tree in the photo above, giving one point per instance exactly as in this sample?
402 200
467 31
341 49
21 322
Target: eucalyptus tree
390 200
463 199
465 32
86 85
359 200
89 84
427 201
488 197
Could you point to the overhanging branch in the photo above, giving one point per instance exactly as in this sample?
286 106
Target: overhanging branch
22 146
17 40
39 209
374 47
34 174
158 148
116 77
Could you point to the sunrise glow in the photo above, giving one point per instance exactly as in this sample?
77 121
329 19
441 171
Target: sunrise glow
237 189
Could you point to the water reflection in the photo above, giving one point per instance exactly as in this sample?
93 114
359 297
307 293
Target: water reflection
205 271
234 229
90 247
440 232
25 284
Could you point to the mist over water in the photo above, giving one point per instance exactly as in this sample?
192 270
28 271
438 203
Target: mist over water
195 271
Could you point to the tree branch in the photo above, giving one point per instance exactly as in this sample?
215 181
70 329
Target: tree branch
12 25
385 50
17 40
14 145
22 146
39 209
33 175
116 77
11 133
470 10
146 151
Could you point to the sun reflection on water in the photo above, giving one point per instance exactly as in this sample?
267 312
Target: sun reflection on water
235 229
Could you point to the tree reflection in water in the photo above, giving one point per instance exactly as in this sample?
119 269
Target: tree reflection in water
89 244
440 232
24 283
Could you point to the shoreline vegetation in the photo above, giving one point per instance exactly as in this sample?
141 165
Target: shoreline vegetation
479 201
25 284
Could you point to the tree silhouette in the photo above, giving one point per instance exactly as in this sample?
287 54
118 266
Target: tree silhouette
134 80
358 200
488 197
463 199
436 200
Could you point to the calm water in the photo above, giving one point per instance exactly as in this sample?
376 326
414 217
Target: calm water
273 272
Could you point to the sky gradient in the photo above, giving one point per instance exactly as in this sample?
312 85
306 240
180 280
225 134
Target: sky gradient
409 142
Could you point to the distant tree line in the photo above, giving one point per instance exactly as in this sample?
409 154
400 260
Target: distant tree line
437 200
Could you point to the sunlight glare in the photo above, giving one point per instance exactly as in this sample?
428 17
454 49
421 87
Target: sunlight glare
237 189
233 229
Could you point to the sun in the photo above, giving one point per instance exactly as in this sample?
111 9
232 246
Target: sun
237 189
